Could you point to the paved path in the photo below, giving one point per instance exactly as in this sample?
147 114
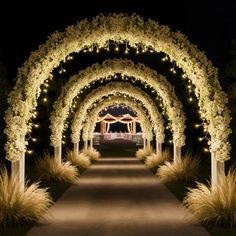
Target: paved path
118 197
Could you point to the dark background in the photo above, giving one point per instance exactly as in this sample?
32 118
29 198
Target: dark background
25 25
211 25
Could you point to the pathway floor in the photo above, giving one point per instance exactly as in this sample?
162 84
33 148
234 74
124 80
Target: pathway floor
118 197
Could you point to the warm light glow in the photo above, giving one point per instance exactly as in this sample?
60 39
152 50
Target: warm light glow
200 139
29 151
34 139
45 99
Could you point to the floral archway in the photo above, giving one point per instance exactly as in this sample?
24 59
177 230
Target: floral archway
78 121
96 95
136 32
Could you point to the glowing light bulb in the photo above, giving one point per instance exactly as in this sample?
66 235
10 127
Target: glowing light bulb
206 150
97 51
29 151
117 49
190 99
197 125
200 139
34 140
45 90
45 99
36 125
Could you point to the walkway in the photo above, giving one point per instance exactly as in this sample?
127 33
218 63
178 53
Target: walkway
118 197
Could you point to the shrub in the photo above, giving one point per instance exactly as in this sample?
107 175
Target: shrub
18 205
93 154
155 160
142 154
184 169
80 160
51 169
214 204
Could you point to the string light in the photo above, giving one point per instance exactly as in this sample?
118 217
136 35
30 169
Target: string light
206 150
36 125
45 99
190 99
29 151
34 140
200 139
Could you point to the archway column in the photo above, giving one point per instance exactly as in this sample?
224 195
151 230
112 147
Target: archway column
177 152
57 153
144 143
76 148
148 144
217 170
158 147
86 144
18 170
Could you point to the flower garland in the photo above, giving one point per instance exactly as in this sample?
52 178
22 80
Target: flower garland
137 33
114 88
90 123
111 89
79 121
106 70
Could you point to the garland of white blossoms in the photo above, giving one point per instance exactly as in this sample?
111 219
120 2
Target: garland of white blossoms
107 70
114 88
90 123
79 118
135 32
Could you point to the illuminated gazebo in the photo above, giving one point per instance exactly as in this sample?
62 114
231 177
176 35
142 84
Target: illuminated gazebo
108 119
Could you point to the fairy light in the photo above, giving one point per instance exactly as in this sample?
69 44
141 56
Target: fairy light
29 151
184 76
205 149
116 48
190 99
45 99
36 125
34 140
200 139
197 125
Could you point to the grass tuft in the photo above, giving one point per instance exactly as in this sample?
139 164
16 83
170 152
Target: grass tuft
18 205
142 154
185 169
215 204
93 154
155 160
80 160
51 169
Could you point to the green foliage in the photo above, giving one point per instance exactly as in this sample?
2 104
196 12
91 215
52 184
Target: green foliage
214 203
18 205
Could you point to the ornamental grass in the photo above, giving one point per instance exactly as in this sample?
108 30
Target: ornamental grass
142 154
18 205
215 204
184 169
51 169
80 160
93 154
155 160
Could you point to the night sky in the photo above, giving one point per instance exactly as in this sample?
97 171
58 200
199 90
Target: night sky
209 24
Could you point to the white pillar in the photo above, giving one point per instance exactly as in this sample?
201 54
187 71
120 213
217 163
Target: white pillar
86 144
57 153
91 143
177 153
148 144
144 143
158 147
76 148
18 170
217 170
